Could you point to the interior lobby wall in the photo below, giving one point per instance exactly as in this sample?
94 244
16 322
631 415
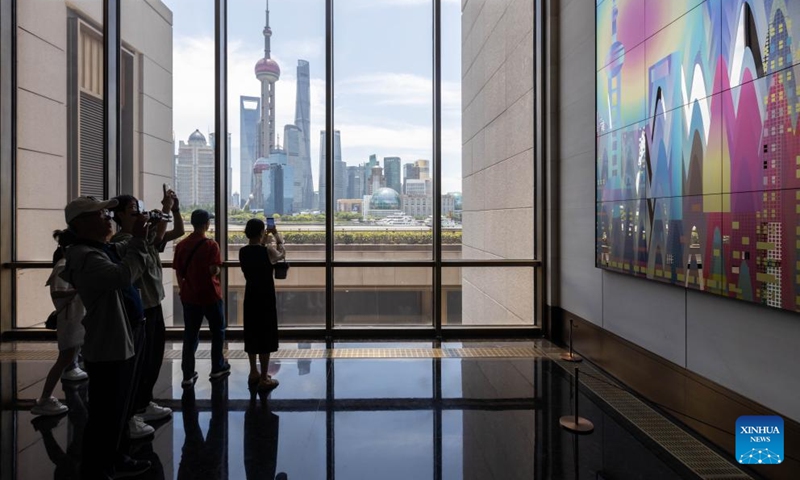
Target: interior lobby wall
746 348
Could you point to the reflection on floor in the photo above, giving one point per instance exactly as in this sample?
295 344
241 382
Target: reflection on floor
415 413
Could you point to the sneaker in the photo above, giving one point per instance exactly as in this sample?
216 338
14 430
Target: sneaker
45 423
130 467
189 382
225 370
268 384
139 429
154 412
74 375
49 406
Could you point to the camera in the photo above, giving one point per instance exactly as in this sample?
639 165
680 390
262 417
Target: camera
155 216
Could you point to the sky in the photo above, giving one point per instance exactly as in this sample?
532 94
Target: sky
382 74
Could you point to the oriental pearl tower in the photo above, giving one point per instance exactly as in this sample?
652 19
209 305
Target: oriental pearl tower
267 72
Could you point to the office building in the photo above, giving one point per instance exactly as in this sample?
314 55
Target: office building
337 160
249 114
194 171
391 168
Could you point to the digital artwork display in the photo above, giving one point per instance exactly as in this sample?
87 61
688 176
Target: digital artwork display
698 154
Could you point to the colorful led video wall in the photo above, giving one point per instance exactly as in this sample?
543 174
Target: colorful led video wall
698 154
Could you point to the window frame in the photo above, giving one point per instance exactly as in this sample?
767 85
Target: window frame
111 72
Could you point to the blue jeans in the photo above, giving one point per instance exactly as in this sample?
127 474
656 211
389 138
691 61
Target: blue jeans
193 319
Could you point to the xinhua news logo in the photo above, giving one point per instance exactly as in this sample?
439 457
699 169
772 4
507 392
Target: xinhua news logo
759 440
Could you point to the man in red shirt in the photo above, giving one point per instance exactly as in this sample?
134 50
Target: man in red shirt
198 265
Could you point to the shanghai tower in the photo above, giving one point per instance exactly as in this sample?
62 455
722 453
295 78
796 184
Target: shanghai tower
302 120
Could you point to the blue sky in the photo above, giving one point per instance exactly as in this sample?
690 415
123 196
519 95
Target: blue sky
382 73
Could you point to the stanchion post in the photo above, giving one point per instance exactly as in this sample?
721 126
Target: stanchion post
571 357
574 423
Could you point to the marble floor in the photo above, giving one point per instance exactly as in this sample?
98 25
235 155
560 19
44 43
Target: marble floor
480 410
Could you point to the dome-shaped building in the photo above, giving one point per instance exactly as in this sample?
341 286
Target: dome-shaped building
383 202
197 138
385 199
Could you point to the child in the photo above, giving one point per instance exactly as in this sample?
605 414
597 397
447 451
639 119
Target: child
69 331
260 303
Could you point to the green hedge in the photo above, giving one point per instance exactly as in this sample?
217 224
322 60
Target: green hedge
359 238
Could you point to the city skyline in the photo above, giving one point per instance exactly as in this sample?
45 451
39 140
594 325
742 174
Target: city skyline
302 37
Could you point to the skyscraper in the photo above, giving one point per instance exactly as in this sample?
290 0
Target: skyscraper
339 180
212 140
373 162
391 169
249 111
302 119
410 172
355 183
304 197
267 72
194 171
376 180
293 148
424 169
337 157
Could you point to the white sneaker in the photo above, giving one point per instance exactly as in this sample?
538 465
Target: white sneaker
139 429
49 406
154 412
74 375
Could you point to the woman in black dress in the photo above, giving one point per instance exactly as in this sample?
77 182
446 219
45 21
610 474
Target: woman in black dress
260 304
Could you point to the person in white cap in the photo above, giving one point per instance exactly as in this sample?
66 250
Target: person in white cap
151 287
103 275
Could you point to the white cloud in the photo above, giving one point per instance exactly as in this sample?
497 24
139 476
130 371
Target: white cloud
396 3
381 131
400 89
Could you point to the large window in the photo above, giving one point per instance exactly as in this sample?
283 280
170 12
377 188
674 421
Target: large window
392 142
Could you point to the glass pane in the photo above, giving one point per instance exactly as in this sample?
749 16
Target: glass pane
383 296
359 455
497 136
33 298
59 117
452 157
301 297
487 296
168 110
383 130
276 99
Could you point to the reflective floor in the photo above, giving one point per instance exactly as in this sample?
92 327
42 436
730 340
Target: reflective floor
347 418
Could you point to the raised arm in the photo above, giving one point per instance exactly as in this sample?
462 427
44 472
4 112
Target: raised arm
100 273
275 247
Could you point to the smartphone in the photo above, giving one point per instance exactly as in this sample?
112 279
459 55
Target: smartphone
141 206
270 223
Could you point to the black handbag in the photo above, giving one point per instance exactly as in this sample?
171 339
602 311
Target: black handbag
52 320
281 270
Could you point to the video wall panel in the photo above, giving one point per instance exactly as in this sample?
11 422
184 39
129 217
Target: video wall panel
698 154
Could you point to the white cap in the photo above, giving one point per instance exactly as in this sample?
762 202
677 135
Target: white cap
82 205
